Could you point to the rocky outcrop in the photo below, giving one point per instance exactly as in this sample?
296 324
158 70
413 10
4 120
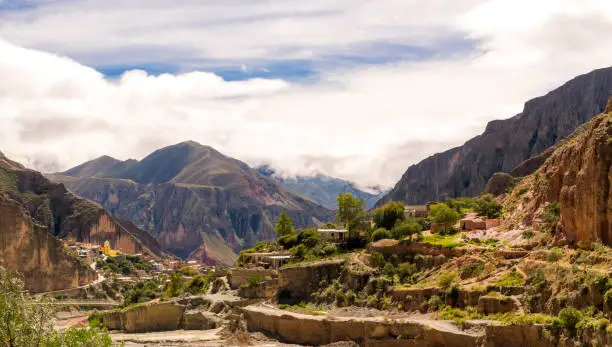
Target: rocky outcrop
239 277
499 184
67 216
465 170
491 304
198 203
319 330
578 176
146 318
29 248
299 282
389 247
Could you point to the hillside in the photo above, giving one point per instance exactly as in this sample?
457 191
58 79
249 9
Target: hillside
465 170
199 203
323 190
576 177
35 213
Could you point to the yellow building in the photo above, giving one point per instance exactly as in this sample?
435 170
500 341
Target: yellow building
107 250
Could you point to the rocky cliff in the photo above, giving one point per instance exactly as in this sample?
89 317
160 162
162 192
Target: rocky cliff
65 215
465 170
197 202
27 247
577 176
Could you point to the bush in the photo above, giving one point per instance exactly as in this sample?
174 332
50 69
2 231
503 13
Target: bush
406 229
377 259
176 285
608 299
528 234
554 255
487 206
512 278
288 241
446 279
569 318
444 216
372 301
199 284
435 303
309 237
389 215
472 270
552 217
255 280
351 297
381 234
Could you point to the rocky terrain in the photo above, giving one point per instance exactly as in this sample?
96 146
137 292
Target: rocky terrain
35 214
198 203
577 176
505 144
323 190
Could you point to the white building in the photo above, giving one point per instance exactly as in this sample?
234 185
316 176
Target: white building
333 235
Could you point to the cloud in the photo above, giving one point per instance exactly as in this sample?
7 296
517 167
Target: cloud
363 122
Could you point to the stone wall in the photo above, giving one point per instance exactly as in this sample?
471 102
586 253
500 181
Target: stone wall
300 281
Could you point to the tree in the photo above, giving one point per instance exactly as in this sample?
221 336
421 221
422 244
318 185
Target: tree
380 234
350 213
487 206
444 216
388 215
176 285
407 228
284 225
27 321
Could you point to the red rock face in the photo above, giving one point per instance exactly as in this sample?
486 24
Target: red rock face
578 176
28 248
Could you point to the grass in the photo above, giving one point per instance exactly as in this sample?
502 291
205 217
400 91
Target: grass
303 307
446 279
511 279
448 241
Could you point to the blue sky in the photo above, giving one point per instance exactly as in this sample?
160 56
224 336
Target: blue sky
356 89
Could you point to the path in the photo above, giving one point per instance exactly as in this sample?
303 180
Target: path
169 336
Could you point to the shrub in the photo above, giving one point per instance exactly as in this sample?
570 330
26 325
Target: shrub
444 216
388 215
176 285
340 298
199 284
528 234
255 280
309 237
552 217
351 297
512 278
380 234
288 241
435 303
372 301
569 318
406 229
389 270
554 255
472 270
377 259
523 191
487 206
608 299
446 279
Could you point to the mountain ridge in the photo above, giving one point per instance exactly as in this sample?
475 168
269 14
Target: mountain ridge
505 144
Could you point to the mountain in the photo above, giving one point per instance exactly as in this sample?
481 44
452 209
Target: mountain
577 177
198 203
546 120
323 190
35 214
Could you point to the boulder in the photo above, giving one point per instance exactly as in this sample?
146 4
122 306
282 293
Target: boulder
491 304
200 320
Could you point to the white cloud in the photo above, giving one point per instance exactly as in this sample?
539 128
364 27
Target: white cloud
366 124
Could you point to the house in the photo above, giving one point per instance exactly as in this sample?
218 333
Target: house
472 221
269 260
416 211
333 235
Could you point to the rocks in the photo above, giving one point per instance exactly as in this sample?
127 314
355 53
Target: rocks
200 320
499 184
263 290
577 176
320 330
153 317
29 248
465 170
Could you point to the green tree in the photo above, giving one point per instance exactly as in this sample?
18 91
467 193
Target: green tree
381 233
444 216
487 206
284 225
176 285
388 215
351 213
407 228
27 321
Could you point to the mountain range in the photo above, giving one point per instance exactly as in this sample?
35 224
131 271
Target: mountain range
322 189
506 144
198 203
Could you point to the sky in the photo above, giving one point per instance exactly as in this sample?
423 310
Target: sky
355 89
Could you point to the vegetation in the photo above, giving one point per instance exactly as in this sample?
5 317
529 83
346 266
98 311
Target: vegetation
351 213
406 229
487 206
555 254
199 284
448 241
446 279
389 215
124 265
284 225
552 217
28 322
142 292
380 234
176 285
444 216
512 278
